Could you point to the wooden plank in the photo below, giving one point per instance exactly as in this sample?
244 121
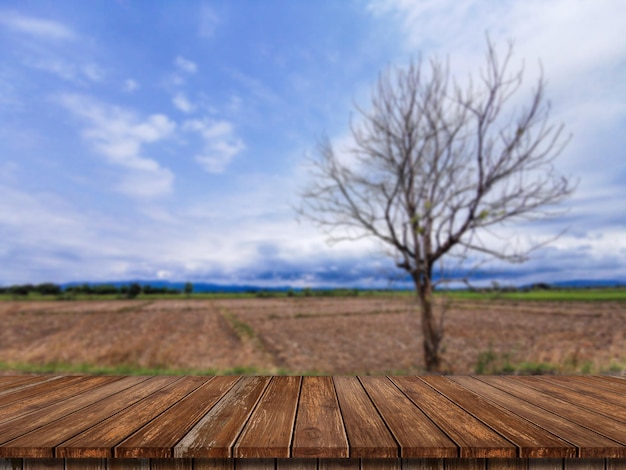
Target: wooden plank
171 464
584 464
51 396
319 430
475 439
43 464
255 464
589 443
616 379
381 464
41 442
269 430
338 464
464 464
296 464
545 464
413 430
24 424
85 464
582 399
610 383
99 440
615 464
11 464
532 440
12 383
215 434
213 464
422 464
366 431
128 464
592 388
10 379
507 464
601 424
36 390
157 438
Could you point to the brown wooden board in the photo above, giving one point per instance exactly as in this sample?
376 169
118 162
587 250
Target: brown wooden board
215 434
40 443
24 424
416 434
319 430
158 437
99 440
11 383
589 443
36 390
581 399
269 430
532 440
366 431
608 427
50 396
367 422
474 438
593 388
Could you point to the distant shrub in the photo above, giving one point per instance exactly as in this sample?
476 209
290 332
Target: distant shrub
188 289
133 290
265 294
47 288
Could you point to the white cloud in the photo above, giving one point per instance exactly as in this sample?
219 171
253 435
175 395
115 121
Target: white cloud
119 135
221 144
185 65
255 87
208 21
66 70
42 28
182 103
130 85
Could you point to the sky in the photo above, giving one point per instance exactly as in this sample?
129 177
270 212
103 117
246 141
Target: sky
169 140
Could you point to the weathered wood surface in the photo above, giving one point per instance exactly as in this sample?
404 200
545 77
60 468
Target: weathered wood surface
311 464
313 422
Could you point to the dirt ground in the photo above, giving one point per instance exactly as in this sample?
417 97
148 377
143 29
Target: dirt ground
360 335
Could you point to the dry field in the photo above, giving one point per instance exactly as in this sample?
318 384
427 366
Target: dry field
361 335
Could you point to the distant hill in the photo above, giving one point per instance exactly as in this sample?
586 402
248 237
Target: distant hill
234 288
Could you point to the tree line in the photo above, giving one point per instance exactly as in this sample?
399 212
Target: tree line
130 291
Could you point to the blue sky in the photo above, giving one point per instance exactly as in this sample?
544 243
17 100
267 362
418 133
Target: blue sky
167 140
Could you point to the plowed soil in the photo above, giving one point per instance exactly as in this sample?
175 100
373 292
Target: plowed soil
361 335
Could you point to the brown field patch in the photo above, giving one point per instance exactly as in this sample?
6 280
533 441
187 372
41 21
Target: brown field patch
374 335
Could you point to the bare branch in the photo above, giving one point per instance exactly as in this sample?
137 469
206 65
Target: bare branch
434 164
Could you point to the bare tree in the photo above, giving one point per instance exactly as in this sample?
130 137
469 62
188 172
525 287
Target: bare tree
433 165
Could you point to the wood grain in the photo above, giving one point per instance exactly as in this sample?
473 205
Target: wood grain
475 439
158 437
608 427
24 424
416 434
42 441
532 440
589 443
269 430
313 422
52 394
366 431
99 440
319 430
215 434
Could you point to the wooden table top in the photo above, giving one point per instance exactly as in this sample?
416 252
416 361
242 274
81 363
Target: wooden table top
316 417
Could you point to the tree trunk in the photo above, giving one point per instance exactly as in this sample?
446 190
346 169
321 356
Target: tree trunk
432 335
